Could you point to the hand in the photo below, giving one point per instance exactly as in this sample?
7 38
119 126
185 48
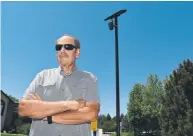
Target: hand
74 105
78 104
33 97
45 119
82 103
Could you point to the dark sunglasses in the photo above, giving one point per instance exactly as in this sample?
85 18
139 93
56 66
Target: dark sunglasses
66 46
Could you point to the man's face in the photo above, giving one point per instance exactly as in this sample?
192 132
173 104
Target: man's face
67 57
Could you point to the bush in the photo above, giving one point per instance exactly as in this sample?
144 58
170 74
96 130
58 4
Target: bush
124 134
6 134
23 129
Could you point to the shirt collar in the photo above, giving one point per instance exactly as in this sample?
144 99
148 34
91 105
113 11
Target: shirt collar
61 72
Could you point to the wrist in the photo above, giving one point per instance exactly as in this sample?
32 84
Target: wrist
45 119
56 118
73 105
66 105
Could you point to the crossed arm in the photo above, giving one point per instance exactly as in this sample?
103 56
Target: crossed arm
63 112
87 114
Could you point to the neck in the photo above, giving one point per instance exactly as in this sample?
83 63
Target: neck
68 68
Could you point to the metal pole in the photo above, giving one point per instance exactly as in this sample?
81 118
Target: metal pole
94 133
117 77
115 25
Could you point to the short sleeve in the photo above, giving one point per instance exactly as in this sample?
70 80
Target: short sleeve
32 87
92 93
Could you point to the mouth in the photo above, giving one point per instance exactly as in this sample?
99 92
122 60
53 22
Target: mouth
63 55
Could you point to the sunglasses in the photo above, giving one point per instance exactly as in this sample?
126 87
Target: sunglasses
66 47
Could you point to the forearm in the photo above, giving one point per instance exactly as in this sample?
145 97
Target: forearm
80 114
74 117
86 114
41 109
69 122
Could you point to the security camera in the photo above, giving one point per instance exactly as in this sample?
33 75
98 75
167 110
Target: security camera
111 25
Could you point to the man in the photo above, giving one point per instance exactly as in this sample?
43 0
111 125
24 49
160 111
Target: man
62 101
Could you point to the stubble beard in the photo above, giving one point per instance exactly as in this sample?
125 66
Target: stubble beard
66 61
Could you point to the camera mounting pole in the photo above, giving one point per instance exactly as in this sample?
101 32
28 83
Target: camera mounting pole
112 24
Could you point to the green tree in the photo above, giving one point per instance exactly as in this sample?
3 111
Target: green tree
125 125
101 120
19 125
23 129
144 105
151 104
109 126
122 116
108 117
13 98
134 107
176 108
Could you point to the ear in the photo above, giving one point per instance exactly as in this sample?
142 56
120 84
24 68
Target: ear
77 53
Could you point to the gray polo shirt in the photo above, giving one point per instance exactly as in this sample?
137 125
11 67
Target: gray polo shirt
55 85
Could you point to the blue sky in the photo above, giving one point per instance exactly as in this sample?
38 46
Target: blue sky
154 37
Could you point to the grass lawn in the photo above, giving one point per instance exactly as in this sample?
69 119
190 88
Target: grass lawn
6 134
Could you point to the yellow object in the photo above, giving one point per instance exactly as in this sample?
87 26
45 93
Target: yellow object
94 125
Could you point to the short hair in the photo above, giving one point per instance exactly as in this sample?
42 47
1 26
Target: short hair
76 41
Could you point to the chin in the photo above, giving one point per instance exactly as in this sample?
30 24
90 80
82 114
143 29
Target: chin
65 62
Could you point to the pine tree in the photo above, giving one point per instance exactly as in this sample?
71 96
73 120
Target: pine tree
125 125
108 117
176 110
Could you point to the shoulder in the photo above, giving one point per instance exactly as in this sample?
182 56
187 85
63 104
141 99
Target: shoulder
46 76
90 76
47 72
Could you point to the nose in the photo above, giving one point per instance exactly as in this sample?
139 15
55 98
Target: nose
62 49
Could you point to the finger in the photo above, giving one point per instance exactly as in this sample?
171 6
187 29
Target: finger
37 96
81 101
27 97
33 97
83 104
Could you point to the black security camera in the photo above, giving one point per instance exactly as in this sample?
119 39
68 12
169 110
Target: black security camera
111 25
